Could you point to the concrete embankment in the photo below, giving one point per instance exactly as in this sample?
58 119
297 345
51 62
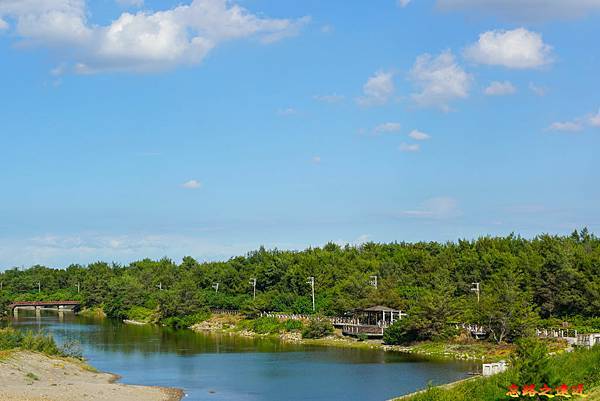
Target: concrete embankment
29 376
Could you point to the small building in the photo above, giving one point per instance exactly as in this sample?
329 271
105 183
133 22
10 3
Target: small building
588 340
372 321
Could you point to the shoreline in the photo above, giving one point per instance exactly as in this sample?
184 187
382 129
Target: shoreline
27 375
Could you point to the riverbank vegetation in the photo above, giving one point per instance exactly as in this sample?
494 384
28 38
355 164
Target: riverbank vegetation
531 365
12 340
525 283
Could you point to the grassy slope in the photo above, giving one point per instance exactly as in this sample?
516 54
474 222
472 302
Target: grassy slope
581 366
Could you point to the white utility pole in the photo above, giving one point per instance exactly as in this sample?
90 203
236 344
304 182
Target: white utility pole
216 287
39 287
78 288
311 281
475 288
374 281
253 283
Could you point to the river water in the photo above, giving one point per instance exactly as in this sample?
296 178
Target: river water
222 367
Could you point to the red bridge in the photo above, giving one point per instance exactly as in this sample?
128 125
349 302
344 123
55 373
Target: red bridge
38 305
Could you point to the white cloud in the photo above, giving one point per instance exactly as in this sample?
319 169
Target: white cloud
538 90
144 41
316 159
377 90
333 98
3 24
130 3
289 111
566 126
440 80
518 48
327 28
409 147
435 208
387 128
192 184
500 88
63 249
402 3
578 124
594 119
525 10
418 135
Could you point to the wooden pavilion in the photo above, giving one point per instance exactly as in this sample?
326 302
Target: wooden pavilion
372 321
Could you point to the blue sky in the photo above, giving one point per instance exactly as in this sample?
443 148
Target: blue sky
133 129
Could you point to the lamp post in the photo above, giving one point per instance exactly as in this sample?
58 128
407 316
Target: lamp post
216 287
311 281
253 283
476 289
374 281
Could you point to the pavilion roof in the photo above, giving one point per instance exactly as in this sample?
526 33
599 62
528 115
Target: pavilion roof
379 308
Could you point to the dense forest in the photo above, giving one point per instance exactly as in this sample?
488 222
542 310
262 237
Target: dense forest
521 281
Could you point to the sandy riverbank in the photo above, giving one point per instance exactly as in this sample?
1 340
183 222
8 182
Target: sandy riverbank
28 376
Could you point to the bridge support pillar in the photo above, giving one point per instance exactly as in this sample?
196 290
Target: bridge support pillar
16 312
38 311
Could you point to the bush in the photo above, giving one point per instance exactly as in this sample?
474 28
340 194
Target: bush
39 342
532 362
140 314
362 337
184 322
317 329
401 332
266 325
293 325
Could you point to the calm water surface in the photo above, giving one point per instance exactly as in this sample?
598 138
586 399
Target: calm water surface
222 367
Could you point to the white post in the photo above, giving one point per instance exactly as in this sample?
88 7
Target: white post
311 281
253 282
476 289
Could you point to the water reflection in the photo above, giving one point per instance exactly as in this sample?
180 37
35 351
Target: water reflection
224 367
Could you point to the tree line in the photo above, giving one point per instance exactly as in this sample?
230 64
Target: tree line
521 281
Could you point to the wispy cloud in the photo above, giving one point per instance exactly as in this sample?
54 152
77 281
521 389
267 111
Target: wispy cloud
409 147
419 135
377 90
387 128
497 88
332 98
538 90
579 124
192 184
289 111
435 208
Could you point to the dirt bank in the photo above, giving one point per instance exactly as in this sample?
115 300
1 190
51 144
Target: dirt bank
28 376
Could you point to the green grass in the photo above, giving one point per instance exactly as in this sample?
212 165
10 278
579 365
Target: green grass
32 376
580 366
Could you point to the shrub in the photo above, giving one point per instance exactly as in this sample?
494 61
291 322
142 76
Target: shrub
293 325
362 337
266 325
140 314
401 332
186 321
317 329
39 342
532 362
